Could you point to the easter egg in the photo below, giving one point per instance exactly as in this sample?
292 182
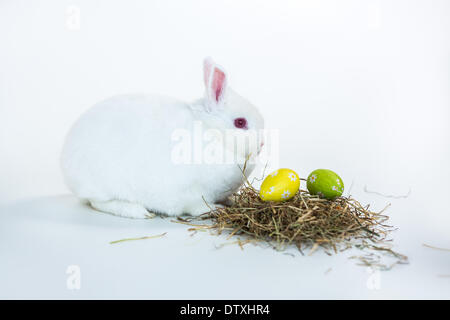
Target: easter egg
280 185
325 183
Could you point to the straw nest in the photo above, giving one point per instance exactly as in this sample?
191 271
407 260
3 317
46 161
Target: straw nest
306 221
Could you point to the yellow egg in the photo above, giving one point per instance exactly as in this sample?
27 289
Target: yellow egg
280 185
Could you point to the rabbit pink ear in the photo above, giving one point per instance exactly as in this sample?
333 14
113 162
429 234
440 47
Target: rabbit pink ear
215 81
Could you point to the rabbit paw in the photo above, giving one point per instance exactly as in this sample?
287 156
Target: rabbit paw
122 208
201 208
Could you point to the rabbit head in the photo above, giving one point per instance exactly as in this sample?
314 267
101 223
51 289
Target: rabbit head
233 120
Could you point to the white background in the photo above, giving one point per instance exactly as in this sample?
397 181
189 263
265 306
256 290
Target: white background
359 87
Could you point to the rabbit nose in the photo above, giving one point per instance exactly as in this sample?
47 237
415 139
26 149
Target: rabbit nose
260 147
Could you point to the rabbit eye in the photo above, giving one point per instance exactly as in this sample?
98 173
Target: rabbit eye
240 123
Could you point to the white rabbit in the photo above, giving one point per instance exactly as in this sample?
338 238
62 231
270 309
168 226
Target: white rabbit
120 155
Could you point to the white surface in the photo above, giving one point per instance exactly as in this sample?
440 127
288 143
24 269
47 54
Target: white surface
360 87
40 238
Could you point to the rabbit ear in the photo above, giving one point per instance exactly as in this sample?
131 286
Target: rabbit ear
215 82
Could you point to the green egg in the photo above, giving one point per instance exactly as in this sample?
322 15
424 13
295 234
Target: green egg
325 183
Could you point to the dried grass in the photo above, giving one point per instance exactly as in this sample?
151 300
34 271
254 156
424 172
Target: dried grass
307 222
